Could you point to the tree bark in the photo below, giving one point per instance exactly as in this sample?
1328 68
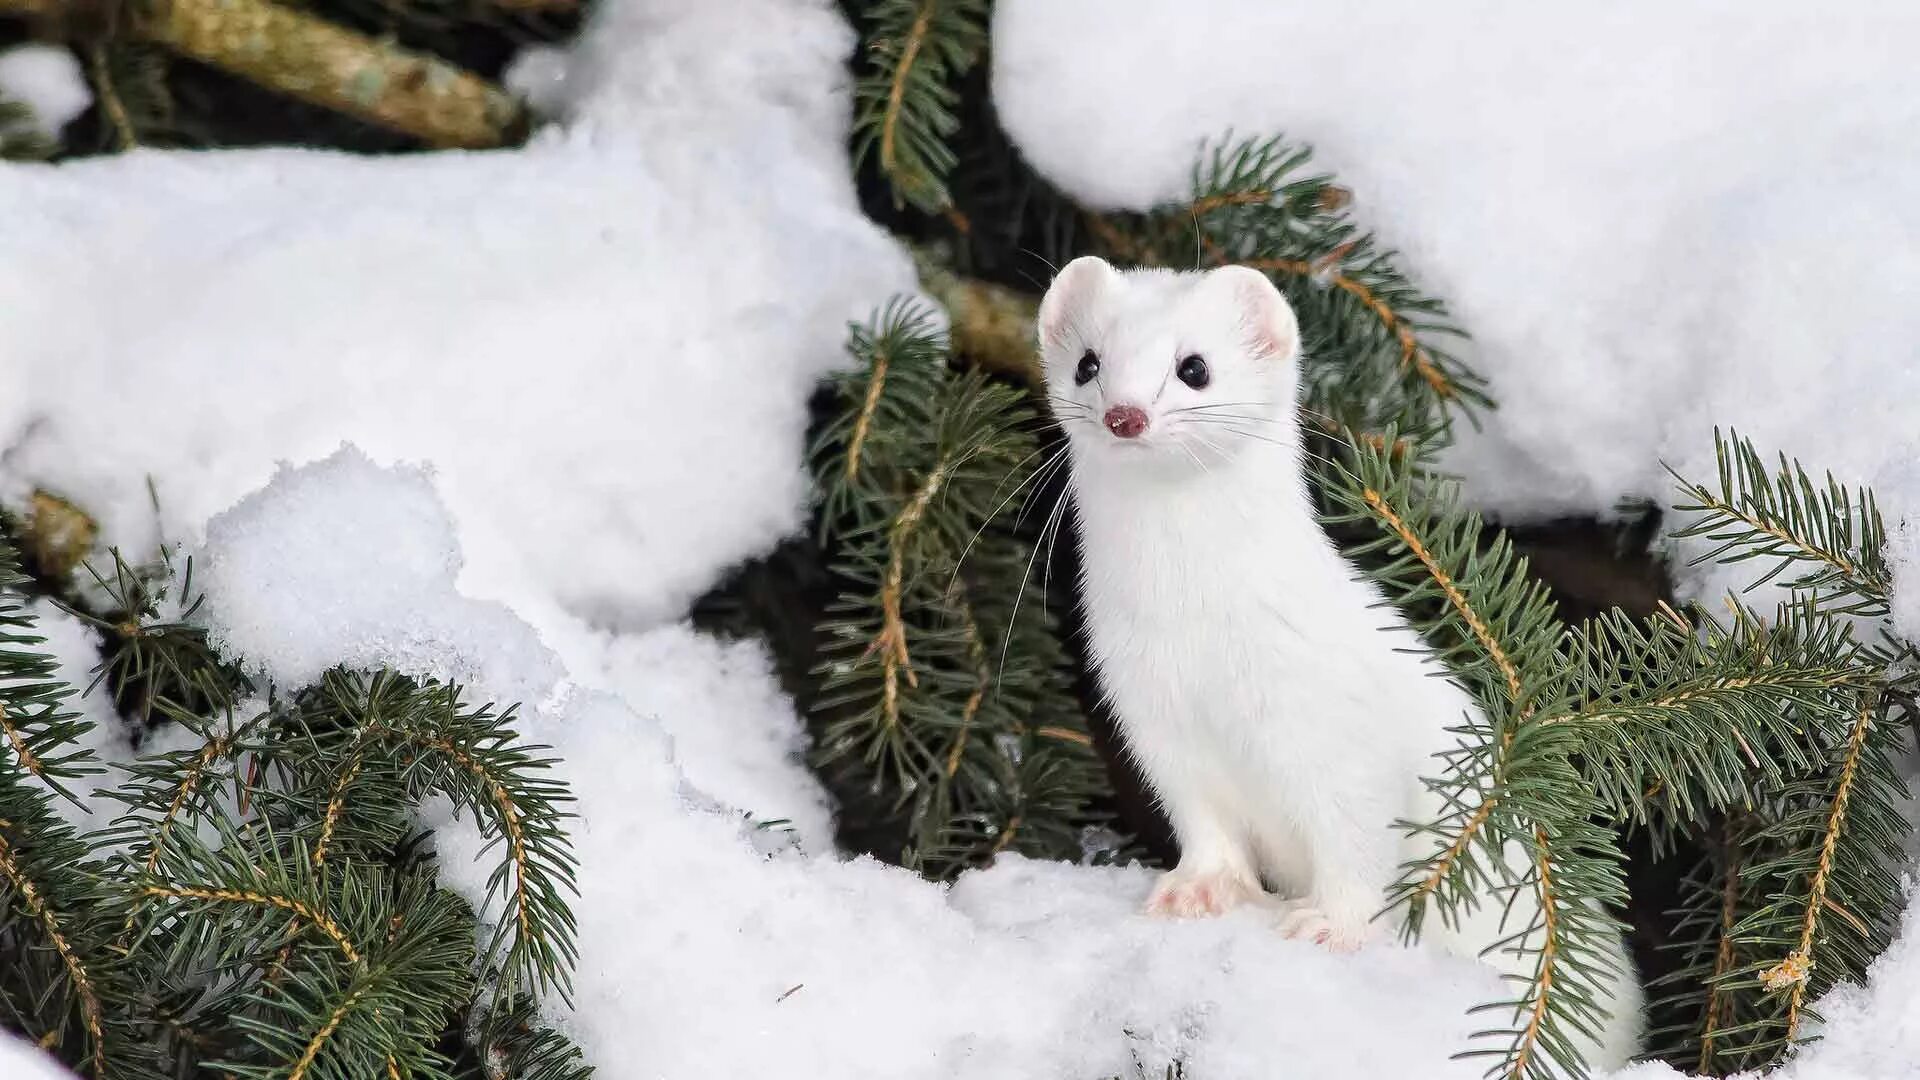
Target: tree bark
992 325
313 60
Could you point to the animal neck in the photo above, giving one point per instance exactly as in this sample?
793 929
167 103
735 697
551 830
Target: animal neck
1258 493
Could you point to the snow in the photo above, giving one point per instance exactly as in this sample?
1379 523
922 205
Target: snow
571 385
1652 218
1871 1031
342 562
47 80
21 1060
599 341
711 948
733 731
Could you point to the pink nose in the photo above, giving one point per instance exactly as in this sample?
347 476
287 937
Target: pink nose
1126 421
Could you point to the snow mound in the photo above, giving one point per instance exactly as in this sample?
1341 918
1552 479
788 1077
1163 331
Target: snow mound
733 731
343 562
600 341
47 80
1652 222
712 946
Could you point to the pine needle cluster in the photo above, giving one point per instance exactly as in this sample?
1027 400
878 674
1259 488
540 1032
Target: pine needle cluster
944 687
261 902
1375 347
905 102
1801 891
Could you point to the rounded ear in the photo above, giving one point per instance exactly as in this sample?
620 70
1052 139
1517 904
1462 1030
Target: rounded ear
1075 288
1271 326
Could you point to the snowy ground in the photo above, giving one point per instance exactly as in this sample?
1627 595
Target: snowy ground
601 349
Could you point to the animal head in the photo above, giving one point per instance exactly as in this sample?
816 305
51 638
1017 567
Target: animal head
1177 366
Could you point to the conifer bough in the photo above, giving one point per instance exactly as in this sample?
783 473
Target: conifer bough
263 905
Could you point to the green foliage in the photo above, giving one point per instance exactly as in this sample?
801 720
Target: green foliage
262 904
1519 811
20 140
1773 737
943 679
1801 892
1689 704
905 101
1830 537
62 980
1375 346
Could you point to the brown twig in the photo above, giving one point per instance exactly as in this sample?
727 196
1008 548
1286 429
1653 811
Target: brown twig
876 381
337 804
288 904
897 92
891 643
1723 957
305 57
319 1040
20 750
1794 971
36 908
216 748
1549 958
983 680
1455 598
509 814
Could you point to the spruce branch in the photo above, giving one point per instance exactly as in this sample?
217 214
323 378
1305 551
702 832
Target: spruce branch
421 739
1518 813
1831 535
904 107
1710 717
80 980
512 1042
60 978
1374 342
1792 971
942 692
1816 893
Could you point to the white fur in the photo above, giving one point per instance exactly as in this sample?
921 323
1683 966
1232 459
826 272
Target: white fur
1283 714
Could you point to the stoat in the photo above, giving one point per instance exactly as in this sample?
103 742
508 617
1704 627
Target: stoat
1284 715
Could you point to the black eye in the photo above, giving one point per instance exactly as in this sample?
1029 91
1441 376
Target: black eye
1089 367
1193 371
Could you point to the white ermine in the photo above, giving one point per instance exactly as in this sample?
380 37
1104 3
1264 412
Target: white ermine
1283 715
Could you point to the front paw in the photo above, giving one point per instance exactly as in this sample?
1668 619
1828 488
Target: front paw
1185 894
1305 921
